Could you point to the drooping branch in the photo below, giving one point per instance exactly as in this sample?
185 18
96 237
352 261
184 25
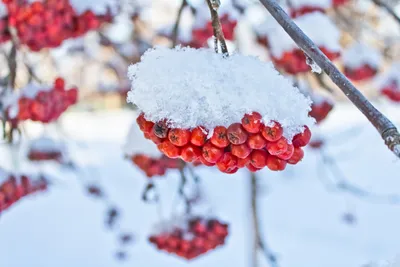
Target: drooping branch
383 125
216 24
175 30
259 244
390 10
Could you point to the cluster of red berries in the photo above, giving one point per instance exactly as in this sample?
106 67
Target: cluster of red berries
392 91
196 238
361 73
47 23
320 110
294 13
294 62
200 36
17 187
250 144
152 166
39 155
47 105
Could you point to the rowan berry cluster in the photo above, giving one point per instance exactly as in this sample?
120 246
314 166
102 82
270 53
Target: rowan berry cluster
361 73
17 187
320 110
195 238
155 166
47 105
250 144
294 62
392 91
47 23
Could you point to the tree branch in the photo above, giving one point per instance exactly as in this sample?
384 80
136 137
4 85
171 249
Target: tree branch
390 10
175 30
259 244
383 125
216 24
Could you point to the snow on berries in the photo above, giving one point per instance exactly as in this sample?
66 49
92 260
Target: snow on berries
321 105
145 155
389 83
302 7
287 55
361 62
229 112
46 149
41 103
14 187
190 237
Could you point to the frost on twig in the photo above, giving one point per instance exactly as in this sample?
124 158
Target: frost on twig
314 66
383 125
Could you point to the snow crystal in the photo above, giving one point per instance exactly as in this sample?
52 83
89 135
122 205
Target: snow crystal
296 4
99 7
137 144
197 87
46 144
359 54
3 10
325 35
314 66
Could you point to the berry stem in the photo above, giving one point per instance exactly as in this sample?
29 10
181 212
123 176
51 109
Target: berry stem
175 30
383 125
216 24
259 244
389 9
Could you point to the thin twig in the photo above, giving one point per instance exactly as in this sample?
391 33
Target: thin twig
390 10
182 193
175 30
12 65
216 24
259 243
383 125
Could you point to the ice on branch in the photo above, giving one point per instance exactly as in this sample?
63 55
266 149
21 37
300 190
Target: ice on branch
136 144
197 87
361 54
321 30
99 7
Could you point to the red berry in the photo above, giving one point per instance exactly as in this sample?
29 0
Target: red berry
259 158
190 153
219 137
302 139
288 153
179 137
205 162
275 163
256 141
151 136
160 129
237 135
232 171
278 147
272 133
144 125
241 151
199 136
251 168
169 149
212 153
252 122
297 156
243 162
227 163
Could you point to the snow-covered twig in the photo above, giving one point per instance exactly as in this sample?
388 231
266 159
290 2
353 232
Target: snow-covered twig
175 30
216 24
259 244
384 126
390 10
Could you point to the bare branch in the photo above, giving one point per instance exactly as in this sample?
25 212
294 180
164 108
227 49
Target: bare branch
259 243
216 24
12 65
390 10
175 30
383 125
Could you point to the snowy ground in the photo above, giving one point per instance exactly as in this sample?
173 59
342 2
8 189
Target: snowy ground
301 220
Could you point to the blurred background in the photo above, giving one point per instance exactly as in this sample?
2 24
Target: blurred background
73 194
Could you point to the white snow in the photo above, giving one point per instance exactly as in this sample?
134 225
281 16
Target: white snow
325 35
4 175
296 4
360 54
46 144
197 87
32 90
392 75
3 10
99 7
314 66
137 144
